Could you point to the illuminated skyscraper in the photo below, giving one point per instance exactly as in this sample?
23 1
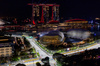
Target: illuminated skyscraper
43 13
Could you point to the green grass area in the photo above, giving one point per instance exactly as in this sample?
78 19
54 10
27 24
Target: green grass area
16 58
38 54
58 63
33 50
43 47
63 50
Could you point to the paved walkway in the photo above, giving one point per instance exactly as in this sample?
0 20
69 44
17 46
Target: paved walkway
43 54
39 50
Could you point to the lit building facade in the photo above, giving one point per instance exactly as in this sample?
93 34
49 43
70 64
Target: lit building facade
51 39
44 13
6 48
5 51
55 38
66 25
74 24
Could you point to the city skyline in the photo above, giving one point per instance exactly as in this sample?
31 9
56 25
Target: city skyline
76 9
49 33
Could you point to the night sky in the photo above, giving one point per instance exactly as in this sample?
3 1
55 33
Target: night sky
68 8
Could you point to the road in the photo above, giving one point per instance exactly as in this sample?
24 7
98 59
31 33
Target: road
94 46
52 62
43 54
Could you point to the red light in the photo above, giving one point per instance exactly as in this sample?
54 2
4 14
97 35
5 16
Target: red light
33 22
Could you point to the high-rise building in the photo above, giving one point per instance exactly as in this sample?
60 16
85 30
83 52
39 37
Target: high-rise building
44 13
5 46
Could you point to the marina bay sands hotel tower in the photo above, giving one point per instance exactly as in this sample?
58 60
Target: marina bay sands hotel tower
45 13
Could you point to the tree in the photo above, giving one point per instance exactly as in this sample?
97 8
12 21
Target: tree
58 63
58 55
46 61
20 64
24 53
38 64
26 42
31 50
15 58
